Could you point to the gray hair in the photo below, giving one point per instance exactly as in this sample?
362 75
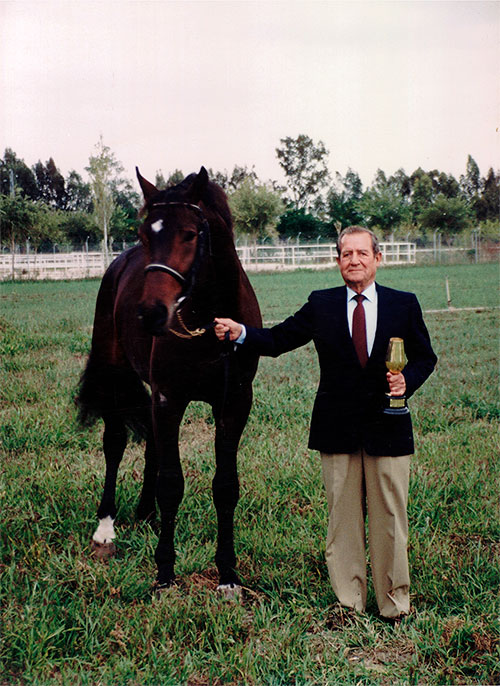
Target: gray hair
358 229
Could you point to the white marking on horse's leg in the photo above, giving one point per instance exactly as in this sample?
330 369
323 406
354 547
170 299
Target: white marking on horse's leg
230 591
105 532
157 225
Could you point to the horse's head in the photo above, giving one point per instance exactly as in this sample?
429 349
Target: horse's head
174 235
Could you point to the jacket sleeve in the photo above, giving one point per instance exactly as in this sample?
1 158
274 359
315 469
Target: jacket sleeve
421 357
292 333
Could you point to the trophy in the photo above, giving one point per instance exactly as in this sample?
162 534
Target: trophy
395 362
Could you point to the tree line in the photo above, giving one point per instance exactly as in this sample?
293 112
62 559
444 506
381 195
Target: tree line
41 207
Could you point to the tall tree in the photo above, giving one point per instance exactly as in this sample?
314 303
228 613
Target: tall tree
124 220
343 200
470 182
103 169
78 193
14 171
305 165
422 193
400 183
488 206
51 185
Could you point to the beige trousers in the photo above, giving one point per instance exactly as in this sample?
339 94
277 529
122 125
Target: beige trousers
351 480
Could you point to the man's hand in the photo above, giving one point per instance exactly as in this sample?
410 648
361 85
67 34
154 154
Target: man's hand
222 326
397 383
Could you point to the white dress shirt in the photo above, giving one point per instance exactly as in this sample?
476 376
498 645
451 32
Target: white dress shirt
370 307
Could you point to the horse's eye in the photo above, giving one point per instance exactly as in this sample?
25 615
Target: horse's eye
189 236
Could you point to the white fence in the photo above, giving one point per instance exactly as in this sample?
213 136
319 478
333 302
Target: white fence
77 265
71 265
290 256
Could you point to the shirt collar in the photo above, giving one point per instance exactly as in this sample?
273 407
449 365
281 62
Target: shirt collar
370 292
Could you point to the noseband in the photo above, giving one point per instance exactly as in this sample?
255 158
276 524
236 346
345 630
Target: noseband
186 282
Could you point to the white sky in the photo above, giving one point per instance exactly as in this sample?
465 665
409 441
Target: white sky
180 84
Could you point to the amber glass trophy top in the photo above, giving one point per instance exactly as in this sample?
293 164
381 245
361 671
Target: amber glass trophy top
395 360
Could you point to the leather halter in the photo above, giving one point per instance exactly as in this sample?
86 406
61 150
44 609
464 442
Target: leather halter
203 236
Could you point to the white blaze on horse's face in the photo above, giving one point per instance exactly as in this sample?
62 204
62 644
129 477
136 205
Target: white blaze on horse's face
157 226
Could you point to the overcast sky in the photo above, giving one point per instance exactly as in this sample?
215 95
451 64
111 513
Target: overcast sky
182 84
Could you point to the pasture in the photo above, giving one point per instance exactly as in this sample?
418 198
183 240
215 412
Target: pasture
68 618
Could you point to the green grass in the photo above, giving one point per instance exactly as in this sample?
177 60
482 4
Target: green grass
70 619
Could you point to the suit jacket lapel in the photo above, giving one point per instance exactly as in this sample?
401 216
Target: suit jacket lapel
383 319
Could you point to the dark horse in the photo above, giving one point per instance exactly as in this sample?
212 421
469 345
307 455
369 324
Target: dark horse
153 325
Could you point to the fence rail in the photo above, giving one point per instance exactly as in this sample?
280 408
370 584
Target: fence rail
77 265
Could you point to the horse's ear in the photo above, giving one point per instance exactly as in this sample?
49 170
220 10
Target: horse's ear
147 188
199 185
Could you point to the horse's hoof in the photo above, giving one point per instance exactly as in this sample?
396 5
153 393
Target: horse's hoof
163 590
230 591
102 551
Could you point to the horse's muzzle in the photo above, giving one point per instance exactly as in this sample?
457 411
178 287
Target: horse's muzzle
154 318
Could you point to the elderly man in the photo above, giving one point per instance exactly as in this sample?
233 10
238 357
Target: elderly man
365 453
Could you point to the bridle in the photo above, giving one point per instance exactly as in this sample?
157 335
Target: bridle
186 282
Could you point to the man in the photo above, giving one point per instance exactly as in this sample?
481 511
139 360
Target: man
365 452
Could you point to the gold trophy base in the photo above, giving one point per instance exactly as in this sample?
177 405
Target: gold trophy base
395 404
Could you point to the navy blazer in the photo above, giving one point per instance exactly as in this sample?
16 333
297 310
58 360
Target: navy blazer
348 409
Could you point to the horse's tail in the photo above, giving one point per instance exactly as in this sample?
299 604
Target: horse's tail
107 391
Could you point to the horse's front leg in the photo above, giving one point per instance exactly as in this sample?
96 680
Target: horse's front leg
146 509
167 416
230 421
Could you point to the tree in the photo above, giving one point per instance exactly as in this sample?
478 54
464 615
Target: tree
471 182
400 183
446 184
231 182
14 170
383 208
255 209
488 206
173 179
23 220
449 215
50 184
304 164
78 227
422 193
298 224
103 169
17 215
343 200
78 193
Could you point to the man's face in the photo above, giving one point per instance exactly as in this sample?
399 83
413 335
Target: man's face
358 263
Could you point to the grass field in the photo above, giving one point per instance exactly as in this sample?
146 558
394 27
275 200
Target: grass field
70 619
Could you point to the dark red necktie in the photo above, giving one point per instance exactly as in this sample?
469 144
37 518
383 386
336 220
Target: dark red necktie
359 330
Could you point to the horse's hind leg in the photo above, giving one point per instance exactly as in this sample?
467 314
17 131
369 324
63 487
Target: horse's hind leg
114 444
